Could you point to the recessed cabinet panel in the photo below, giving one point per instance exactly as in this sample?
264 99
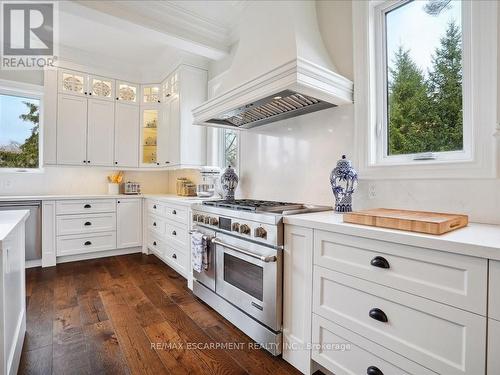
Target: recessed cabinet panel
102 88
71 82
101 127
126 135
127 92
129 223
72 130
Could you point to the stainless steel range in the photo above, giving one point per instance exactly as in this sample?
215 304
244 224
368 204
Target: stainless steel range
243 281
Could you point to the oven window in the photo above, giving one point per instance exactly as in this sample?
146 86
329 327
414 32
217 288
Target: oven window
244 275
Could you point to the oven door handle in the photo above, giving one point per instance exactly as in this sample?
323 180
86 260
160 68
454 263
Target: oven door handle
265 259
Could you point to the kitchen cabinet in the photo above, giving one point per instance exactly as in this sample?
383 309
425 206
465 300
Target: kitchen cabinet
101 87
100 132
126 135
72 82
184 89
297 297
72 130
150 94
127 92
151 128
128 223
493 347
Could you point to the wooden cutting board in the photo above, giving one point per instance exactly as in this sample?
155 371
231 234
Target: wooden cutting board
413 221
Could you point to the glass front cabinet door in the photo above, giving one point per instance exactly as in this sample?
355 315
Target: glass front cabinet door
72 82
149 132
150 94
127 92
101 88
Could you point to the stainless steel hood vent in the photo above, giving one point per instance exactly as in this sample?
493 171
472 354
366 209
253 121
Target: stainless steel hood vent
280 106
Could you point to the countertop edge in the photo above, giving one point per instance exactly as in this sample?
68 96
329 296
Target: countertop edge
9 220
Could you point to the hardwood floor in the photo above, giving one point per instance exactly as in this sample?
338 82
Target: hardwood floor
130 315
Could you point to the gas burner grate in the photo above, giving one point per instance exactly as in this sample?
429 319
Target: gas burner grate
253 205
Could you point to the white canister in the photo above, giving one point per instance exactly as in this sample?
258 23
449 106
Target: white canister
113 189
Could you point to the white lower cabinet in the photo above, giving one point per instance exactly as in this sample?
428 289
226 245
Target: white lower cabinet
128 223
168 234
399 309
85 243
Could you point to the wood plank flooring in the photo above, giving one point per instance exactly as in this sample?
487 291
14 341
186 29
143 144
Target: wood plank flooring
130 314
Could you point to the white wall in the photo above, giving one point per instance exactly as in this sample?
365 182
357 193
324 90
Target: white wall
291 160
66 180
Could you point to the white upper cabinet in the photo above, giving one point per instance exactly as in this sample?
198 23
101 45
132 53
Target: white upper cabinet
183 90
150 126
127 119
127 92
100 132
71 130
101 88
150 94
72 82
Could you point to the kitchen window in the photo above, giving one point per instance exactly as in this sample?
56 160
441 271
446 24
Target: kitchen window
20 149
421 107
426 89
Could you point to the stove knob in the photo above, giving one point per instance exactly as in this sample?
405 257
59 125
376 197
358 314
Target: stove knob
244 229
195 217
213 221
235 227
207 219
260 233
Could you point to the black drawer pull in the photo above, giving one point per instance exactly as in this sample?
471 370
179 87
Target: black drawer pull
257 306
87 223
174 256
372 370
174 212
174 233
154 224
88 243
87 206
379 315
154 243
380 262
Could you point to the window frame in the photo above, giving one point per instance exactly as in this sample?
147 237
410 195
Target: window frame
381 62
30 91
479 160
222 157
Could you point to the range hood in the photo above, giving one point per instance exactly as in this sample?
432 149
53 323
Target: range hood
280 70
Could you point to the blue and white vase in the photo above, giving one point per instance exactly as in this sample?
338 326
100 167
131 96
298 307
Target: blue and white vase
229 182
344 180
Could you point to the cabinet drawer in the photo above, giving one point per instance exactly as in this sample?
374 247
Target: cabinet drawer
155 207
177 213
89 243
156 225
177 260
442 338
176 234
90 223
155 244
453 279
85 206
494 290
345 353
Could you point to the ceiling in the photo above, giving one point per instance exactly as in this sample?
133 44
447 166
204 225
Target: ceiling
147 37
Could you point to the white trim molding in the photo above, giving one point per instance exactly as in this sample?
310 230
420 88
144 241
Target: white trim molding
480 98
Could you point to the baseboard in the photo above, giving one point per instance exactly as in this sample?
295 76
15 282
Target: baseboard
14 359
33 263
96 255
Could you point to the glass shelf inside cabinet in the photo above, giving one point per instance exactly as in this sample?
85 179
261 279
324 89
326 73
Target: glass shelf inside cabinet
127 93
151 94
149 135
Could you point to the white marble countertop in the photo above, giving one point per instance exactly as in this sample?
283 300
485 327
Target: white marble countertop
7 198
172 198
9 220
479 240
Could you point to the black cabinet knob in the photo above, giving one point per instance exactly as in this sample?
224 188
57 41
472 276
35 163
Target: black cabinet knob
174 256
174 212
380 262
88 161
117 98
116 162
88 243
154 206
88 223
154 243
85 161
372 370
174 233
118 202
90 93
158 101
87 206
85 92
379 315
157 163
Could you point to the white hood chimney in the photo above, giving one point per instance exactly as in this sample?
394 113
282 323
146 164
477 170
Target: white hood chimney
281 69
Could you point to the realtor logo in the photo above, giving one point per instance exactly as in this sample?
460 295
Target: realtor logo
28 34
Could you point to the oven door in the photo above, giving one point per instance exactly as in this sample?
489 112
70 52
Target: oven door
206 277
249 276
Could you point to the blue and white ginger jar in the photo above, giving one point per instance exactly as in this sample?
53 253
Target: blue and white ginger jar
229 182
344 180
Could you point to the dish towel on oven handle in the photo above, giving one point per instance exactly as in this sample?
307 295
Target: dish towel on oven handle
199 251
